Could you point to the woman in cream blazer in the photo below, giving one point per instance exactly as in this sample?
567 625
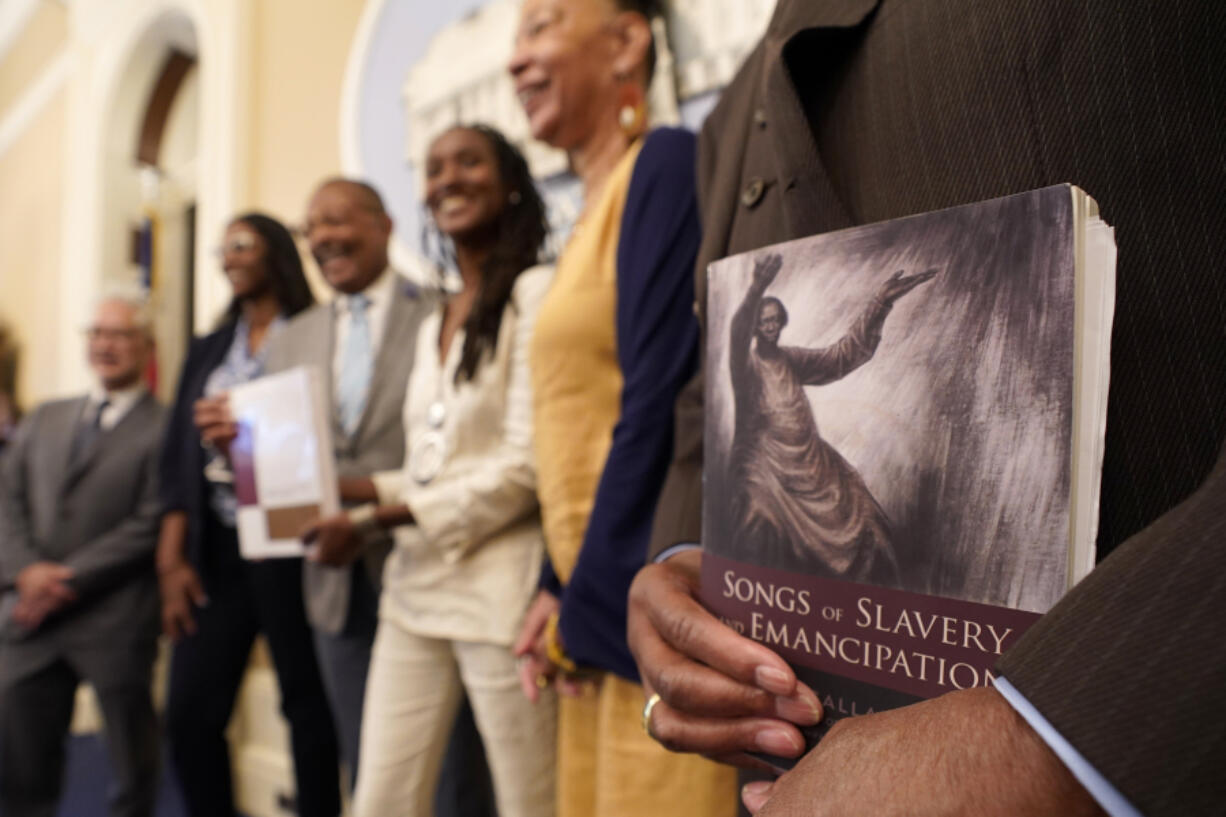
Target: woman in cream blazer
469 545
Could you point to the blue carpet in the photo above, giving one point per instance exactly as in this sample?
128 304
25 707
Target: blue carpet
87 777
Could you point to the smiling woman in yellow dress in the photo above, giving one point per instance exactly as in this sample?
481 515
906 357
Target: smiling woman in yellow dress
468 534
616 341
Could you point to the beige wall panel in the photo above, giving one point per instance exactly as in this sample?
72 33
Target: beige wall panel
300 56
30 217
32 51
299 66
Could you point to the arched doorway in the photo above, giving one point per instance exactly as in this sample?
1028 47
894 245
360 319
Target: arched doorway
150 177
121 49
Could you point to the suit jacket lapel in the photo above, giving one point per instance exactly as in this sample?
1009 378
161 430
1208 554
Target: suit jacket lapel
398 332
812 202
75 470
135 416
793 16
66 426
319 338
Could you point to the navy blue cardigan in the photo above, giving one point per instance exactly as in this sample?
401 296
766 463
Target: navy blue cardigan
183 487
657 349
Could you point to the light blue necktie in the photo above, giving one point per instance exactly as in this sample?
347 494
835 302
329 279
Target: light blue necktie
356 365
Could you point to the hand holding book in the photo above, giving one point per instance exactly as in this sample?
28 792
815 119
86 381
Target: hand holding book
721 694
892 534
281 456
215 422
334 540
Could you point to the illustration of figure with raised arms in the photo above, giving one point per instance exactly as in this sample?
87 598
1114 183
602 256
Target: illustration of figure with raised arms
794 492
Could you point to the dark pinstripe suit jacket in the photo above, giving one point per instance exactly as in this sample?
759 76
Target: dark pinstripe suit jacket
854 111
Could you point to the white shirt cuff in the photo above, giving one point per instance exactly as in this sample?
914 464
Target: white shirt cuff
389 485
671 551
1098 786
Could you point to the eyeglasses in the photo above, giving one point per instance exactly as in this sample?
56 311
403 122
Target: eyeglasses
242 242
104 333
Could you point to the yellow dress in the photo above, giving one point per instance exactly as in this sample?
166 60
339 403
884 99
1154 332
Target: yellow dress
607 766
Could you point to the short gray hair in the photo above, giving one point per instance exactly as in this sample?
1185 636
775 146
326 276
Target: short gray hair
133 296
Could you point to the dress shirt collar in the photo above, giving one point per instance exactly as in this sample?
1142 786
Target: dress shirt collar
119 402
380 293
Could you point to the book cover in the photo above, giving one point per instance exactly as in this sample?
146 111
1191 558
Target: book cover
284 473
903 441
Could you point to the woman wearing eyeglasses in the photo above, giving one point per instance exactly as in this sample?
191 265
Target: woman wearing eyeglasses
214 603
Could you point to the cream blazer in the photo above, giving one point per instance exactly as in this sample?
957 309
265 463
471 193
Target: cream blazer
468 568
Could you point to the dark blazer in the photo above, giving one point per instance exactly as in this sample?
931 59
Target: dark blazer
183 487
657 351
855 111
98 515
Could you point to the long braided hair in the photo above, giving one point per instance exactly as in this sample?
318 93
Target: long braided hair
521 231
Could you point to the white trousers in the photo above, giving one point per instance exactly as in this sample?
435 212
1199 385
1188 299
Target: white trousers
412 696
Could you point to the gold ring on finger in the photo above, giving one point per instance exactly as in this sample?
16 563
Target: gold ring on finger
647 707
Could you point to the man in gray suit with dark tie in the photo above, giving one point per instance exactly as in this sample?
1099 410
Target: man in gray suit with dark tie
362 343
78 522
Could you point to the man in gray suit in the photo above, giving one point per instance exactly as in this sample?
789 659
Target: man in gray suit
362 342
78 521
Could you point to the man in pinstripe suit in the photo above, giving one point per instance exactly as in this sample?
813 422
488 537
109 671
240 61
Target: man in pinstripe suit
854 111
